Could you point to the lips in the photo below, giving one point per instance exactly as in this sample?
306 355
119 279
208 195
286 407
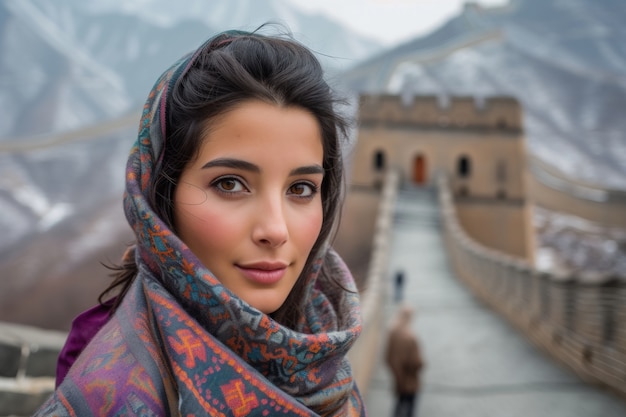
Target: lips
264 273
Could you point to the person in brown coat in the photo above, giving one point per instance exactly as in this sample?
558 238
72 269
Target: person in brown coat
404 359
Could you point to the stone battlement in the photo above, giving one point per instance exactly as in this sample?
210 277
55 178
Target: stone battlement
456 112
28 357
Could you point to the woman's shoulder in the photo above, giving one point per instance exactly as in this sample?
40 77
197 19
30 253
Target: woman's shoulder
84 328
87 323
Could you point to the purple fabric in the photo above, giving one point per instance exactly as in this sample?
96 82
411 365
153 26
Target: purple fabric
84 328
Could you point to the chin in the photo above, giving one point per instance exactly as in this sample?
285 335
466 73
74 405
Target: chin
266 306
268 309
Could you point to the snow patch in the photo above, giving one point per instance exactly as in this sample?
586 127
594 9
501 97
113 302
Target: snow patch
55 215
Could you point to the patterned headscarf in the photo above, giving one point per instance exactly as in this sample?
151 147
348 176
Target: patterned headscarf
181 343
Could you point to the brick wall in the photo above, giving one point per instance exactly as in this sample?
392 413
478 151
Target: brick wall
28 359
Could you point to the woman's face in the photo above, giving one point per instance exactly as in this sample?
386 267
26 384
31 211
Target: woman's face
249 206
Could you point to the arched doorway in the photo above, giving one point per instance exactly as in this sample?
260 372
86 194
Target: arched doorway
419 169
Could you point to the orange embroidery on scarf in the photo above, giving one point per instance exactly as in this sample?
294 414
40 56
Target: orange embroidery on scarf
158 242
222 355
189 346
184 378
66 404
106 391
240 402
141 381
188 267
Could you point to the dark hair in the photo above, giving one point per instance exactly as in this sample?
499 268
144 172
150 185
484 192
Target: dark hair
232 68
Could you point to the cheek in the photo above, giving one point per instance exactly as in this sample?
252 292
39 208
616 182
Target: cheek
204 227
311 229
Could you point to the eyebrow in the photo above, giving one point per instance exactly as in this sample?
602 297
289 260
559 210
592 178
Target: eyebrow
305 170
247 166
232 163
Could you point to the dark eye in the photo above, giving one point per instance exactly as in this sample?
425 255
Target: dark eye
229 185
303 189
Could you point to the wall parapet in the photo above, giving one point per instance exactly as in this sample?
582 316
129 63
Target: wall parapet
579 319
580 189
28 358
373 295
495 113
555 190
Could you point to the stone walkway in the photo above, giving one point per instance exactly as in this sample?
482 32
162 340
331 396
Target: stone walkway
477 365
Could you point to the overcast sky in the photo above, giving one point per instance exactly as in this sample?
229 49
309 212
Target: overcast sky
391 21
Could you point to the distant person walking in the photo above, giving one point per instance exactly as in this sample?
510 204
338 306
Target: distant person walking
399 286
405 362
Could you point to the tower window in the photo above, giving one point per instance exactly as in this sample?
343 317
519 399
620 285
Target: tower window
379 161
464 167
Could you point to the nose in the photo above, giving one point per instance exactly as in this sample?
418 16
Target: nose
270 229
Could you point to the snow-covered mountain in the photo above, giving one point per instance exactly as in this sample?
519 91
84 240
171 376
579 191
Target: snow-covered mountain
65 64
48 83
565 60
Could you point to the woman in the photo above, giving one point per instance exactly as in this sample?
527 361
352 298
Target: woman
232 301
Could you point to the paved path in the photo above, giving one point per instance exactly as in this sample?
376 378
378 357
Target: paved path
476 364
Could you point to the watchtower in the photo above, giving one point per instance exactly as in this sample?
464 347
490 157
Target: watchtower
478 144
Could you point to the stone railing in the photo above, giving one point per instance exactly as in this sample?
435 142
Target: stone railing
552 189
580 319
28 358
363 353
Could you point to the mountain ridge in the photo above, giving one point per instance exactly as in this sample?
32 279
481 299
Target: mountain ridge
84 62
571 82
